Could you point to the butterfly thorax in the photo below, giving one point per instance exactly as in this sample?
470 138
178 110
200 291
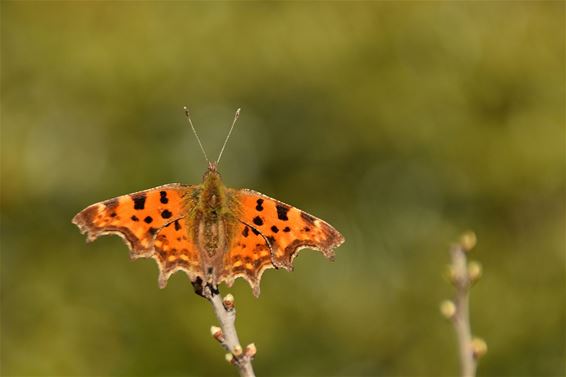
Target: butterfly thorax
212 196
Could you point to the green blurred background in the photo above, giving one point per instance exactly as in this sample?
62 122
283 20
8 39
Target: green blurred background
402 124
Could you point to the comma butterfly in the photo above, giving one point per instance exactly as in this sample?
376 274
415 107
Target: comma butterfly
211 232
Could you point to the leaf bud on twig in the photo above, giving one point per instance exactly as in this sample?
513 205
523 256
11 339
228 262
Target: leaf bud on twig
237 351
217 333
228 302
250 350
448 309
474 271
479 347
468 240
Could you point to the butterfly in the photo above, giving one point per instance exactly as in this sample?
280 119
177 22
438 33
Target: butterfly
211 232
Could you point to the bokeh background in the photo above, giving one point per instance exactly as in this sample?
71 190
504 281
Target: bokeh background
402 124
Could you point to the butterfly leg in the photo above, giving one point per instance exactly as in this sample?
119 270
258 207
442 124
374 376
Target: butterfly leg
199 286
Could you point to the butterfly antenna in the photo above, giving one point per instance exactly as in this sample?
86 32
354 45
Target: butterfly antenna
236 116
195 132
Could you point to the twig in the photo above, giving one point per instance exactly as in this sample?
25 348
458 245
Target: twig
461 318
226 334
463 275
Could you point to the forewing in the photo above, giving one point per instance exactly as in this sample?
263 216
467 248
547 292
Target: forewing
286 228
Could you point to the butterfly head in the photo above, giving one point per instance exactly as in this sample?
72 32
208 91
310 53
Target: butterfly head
211 174
213 166
213 192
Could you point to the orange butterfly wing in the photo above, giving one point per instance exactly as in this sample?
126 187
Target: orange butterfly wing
248 257
153 224
287 229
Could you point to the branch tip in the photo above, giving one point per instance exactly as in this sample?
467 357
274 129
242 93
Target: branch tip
226 333
462 274
468 240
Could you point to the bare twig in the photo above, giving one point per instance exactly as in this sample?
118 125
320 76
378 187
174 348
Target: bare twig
462 316
226 334
462 275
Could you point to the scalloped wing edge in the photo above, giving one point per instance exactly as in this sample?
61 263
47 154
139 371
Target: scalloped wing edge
254 281
137 253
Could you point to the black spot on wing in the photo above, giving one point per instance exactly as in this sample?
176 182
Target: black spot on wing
282 210
166 214
177 225
152 230
148 219
255 231
287 229
259 206
139 200
271 240
274 229
134 218
246 231
163 197
258 221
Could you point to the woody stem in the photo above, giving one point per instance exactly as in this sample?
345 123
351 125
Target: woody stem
461 319
228 338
